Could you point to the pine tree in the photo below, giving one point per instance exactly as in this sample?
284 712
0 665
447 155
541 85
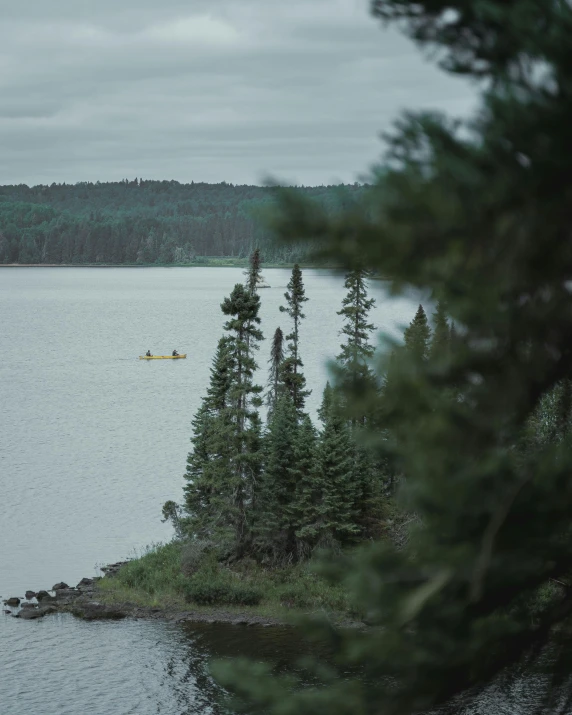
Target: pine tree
293 376
208 499
418 335
307 496
242 308
254 271
275 528
327 402
274 372
356 350
328 501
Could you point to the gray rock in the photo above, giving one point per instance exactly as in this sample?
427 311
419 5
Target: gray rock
13 601
85 582
44 596
59 586
30 594
29 605
97 611
66 594
28 614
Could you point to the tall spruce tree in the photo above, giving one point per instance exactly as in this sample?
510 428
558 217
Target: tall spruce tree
293 376
242 309
478 212
208 492
275 506
274 371
307 495
356 351
329 502
418 335
254 271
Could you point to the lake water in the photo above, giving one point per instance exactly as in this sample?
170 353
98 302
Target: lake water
94 441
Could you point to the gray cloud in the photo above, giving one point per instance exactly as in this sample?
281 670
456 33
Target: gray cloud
204 90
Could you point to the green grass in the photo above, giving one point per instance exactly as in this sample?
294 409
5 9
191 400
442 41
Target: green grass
156 579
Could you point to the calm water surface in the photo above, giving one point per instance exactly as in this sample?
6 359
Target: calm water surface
94 441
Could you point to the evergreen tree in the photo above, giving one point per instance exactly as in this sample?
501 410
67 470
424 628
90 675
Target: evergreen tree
327 402
242 308
274 372
275 506
208 497
307 496
254 271
418 335
356 350
293 376
329 502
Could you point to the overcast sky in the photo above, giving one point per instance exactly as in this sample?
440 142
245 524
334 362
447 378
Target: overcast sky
204 90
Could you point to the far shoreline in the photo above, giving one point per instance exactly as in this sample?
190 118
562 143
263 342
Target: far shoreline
222 263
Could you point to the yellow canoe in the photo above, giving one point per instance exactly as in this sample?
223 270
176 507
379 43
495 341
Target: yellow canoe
162 357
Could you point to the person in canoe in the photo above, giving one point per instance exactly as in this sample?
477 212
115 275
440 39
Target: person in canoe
175 353
148 353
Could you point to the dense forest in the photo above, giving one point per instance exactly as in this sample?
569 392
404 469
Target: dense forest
142 222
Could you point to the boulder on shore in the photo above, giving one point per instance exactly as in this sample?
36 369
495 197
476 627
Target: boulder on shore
85 582
93 610
28 614
60 586
13 601
43 596
29 595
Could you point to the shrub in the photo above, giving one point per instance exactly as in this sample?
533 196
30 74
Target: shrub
193 553
295 597
221 593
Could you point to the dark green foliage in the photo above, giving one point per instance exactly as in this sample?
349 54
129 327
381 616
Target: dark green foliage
292 374
356 350
441 340
418 335
327 402
274 375
478 215
254 271
213 593
209 465
140 222
275 508
329 494
306 496
225 462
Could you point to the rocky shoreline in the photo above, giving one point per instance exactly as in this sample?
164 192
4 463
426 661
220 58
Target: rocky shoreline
81 601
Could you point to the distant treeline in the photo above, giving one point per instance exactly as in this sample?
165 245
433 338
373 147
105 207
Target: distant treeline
142 222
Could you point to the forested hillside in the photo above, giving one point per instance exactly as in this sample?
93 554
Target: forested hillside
140 222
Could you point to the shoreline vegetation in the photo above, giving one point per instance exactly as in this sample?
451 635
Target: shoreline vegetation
153 587
206 262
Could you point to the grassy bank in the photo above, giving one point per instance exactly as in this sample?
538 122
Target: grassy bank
189 576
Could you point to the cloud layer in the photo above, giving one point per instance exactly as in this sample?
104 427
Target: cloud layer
204 90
